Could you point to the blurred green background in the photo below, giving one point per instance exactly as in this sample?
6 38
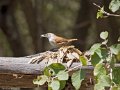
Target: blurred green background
23 21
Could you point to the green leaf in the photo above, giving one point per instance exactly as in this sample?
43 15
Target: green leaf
99 14
95 47
99 70
116 75
104 35
49 71
104 53
55 85
77 78
62 85
95 59
98 51
57 67
103 81
83 59
115 49
114 5
98 86
40 80
62 75
53 69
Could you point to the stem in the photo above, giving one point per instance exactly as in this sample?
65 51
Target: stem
111 67
108 14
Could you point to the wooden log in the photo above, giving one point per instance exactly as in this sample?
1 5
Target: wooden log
17 72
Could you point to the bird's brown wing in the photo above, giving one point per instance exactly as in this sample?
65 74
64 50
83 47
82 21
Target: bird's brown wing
61 41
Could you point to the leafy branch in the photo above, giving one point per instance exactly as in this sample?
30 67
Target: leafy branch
106 74
101 11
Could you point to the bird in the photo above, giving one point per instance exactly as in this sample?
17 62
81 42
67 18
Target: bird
57 41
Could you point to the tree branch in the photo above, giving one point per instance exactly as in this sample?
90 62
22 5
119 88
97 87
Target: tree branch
106 13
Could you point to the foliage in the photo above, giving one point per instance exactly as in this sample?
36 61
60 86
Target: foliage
102 57
113 6
56 75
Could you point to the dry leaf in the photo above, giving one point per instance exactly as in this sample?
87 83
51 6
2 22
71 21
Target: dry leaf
69 63
75 55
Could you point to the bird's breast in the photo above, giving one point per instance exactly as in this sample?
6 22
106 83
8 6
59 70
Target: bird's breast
52 42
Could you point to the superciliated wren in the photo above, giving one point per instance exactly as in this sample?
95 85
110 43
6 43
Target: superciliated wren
57 41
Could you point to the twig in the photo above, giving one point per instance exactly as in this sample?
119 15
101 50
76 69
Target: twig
108 14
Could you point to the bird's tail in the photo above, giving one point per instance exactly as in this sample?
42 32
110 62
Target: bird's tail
71 40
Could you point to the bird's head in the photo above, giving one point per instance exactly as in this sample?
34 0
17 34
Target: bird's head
48 35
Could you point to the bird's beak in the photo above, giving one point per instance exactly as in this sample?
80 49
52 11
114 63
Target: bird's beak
43 35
